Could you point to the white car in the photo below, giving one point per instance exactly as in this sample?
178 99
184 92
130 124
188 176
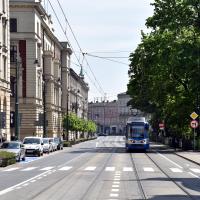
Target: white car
33 145
53 143
48 146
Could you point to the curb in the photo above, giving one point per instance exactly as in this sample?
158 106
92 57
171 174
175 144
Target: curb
197 163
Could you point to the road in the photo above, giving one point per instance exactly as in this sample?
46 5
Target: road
102 170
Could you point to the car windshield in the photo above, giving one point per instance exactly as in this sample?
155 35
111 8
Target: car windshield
56 140
46 141
10 145
31 141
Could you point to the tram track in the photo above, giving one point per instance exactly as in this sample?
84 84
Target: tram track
170 178
71 174
139 182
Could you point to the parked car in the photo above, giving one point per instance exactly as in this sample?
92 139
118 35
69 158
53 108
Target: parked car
53 143
47 146
59 143
15 147
33 145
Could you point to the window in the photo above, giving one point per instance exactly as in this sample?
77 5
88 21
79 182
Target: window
4 33
13 25
13 53
4 68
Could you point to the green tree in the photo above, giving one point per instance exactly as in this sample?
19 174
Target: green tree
164 71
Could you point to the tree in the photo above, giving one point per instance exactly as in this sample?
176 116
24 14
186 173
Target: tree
164 71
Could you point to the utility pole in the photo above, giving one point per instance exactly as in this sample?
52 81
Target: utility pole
17 133
44 108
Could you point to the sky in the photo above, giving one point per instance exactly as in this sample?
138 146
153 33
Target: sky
105 28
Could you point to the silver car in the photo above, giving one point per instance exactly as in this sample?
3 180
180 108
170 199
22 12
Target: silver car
15 147
47 145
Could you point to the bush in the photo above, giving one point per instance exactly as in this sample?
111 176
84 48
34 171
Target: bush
66 144
7 158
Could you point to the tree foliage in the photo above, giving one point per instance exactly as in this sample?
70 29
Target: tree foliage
165 67
75 123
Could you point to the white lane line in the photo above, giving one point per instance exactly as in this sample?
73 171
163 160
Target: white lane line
115 190
11 169
19 184
46 168
116 182
32 181
115 186
148 169
176 170
25 184
116 179
18 188
195 170
169 160
127 169
90 168
194 175
28 169
111 169
65 168
114 195
39 178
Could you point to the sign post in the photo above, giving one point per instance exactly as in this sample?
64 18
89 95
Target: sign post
194 124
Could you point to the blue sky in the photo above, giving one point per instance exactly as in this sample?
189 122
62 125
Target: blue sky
110 26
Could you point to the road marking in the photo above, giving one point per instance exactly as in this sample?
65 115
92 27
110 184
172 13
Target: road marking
65 168
115 186
116 182
90 168
169 160
148 169
194 175
110 169
46 168
11 169
33 181
116 179
176 170
127 169
195 170
19 184
114 195
28 168
115 190
25 184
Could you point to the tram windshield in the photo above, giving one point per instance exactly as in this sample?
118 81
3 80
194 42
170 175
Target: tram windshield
136 132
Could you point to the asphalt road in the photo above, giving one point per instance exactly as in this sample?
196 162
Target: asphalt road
102 170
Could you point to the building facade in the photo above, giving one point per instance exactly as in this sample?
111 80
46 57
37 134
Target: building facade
40 56
111 117
78 96
4 71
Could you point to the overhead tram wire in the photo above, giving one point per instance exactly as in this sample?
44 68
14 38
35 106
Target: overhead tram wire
107 59
88 77
102 91
79 46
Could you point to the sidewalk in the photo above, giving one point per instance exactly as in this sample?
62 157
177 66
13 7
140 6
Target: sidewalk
190 155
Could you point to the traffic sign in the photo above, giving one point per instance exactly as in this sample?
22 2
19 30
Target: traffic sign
161 126
194 124
194 115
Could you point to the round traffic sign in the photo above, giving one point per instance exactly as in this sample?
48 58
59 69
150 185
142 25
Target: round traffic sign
194 124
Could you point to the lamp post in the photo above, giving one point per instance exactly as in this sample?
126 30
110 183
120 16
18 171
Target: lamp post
17 131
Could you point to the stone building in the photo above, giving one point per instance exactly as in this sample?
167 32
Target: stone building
4 71
40 81
78 95
111 117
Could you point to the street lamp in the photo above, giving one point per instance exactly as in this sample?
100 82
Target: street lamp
17 131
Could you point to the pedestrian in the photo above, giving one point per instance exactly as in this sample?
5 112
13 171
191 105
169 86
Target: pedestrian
175 143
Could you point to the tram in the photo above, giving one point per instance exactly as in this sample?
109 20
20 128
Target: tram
137 134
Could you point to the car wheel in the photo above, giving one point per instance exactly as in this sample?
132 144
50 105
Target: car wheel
24 158
39 154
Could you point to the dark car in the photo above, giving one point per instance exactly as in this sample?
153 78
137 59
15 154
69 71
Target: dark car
15 147
59 143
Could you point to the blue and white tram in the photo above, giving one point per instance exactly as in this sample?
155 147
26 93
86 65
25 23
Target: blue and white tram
137 135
